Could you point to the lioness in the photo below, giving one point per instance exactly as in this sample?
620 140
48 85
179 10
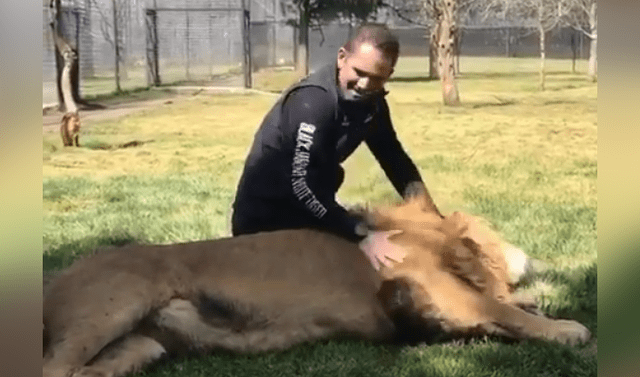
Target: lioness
120 310
70 129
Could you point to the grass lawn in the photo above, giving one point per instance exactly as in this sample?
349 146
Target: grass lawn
523 159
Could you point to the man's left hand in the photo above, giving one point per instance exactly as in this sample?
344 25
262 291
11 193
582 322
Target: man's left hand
377 247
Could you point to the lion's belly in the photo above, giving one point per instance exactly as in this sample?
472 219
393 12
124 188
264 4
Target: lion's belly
263 328
271 291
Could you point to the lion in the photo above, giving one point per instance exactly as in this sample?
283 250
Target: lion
70 129
120 310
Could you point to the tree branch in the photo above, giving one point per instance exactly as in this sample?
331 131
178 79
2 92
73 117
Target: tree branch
399 11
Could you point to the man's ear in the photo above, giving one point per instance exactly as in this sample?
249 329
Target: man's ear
342 57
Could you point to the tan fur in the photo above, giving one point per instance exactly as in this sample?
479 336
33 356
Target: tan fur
70 129
119 310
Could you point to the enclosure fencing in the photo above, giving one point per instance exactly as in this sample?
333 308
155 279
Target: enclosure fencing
222 42
206 42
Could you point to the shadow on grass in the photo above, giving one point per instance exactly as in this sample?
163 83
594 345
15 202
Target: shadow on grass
484 357
413 79
559 102
101 145
335 358
579 297
499 102
61 256
574 294
567 75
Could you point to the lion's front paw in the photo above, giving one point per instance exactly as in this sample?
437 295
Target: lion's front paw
570 332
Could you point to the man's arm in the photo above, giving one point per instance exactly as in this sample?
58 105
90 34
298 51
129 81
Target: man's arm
399 168
309 127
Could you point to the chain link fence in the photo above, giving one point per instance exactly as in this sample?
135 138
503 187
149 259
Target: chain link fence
198 46
197 42
508 41
89 26
202 42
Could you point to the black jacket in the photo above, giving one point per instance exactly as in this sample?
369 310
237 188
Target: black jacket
293 171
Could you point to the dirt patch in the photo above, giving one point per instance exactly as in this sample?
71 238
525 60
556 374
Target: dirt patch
113 107
135 102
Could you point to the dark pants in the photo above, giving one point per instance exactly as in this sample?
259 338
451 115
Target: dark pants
253 215
261 215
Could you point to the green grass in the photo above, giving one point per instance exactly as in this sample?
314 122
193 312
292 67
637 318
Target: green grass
523 159
476 358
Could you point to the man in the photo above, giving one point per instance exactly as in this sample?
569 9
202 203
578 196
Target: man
292 172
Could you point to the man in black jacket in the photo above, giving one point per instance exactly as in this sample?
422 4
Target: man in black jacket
292 172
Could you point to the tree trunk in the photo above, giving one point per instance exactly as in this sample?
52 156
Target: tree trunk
593 61
70 62
542 57
65 54
593 54
446 53
72 75
65 81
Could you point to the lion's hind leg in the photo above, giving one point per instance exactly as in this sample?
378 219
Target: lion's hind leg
126 355
81 322
73 347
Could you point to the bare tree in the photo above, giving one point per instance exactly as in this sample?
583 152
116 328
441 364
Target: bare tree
442 20
115 30
547 15
302 14
581 15
67 68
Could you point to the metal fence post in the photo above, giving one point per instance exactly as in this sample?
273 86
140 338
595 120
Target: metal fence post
116 44
76 83
188 52
153 73
246 42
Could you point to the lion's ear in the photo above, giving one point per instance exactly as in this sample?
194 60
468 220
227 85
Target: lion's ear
454 224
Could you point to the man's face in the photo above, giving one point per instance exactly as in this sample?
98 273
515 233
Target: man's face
363 72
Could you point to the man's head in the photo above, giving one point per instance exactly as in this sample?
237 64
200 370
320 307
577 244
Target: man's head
366 61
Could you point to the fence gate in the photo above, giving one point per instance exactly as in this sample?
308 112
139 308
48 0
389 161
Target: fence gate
205 46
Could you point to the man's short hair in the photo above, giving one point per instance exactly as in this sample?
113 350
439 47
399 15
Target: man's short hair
377 35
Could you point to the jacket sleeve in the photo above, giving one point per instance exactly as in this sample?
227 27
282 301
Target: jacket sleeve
399 168
309 129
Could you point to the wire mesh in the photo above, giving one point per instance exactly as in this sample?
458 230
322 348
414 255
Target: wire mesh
203 44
